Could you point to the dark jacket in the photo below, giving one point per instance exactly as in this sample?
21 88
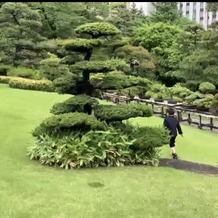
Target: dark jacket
172 124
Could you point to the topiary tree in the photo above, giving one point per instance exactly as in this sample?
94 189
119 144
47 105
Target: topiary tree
74 124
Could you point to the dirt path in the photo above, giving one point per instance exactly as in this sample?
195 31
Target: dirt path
189 166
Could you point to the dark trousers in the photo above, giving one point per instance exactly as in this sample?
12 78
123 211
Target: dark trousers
172 141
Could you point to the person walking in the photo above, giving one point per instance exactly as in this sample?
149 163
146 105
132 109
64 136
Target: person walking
173 125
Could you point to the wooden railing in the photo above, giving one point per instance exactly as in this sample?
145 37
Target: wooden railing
191 116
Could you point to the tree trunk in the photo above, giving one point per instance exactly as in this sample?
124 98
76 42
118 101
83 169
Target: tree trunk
86 73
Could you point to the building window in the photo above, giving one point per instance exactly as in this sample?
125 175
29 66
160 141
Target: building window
187 4
201 4
214 15
187 13
201 18
194 5
194 14
201 9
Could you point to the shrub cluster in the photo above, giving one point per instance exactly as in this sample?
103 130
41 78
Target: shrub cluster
28 84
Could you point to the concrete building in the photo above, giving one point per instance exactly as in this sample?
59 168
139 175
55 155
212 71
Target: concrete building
198 11
193 10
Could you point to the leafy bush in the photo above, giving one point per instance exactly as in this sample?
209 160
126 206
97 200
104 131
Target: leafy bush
23 72
146 137
65 124
133 90
111 113
177 99
180 91
158 88
204 102
74 104
215 101
150 94
40 85
194 96
118 80
146 65
207 87
98 148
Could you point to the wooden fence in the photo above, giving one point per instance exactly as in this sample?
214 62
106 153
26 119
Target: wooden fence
192 117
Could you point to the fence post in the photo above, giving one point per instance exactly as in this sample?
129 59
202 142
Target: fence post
179 115
211 123
189 119
200 122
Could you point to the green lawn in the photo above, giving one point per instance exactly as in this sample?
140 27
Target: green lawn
29 190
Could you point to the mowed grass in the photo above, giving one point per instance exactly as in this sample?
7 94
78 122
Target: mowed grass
29 190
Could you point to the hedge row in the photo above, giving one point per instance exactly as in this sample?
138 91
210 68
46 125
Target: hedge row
28 84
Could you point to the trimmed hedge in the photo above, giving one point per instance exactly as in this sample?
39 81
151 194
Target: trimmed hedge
74 104
65 124
28 84
97 29
83 44
111 113
99 66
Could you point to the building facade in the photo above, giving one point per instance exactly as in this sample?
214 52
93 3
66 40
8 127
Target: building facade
193 10
198 11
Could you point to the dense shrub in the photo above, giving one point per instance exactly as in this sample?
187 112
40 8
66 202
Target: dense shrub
111 113
79 103
24 72
180 91
192 97
145 137
40 85
146 65
5 79
118 80
65 124
215 102
99 148
4 69
205 101
207 87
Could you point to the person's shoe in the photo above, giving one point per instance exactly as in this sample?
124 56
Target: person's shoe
175 156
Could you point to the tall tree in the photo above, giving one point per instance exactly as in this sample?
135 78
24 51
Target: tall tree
212 6
20 30
61 18
166 12
127 20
